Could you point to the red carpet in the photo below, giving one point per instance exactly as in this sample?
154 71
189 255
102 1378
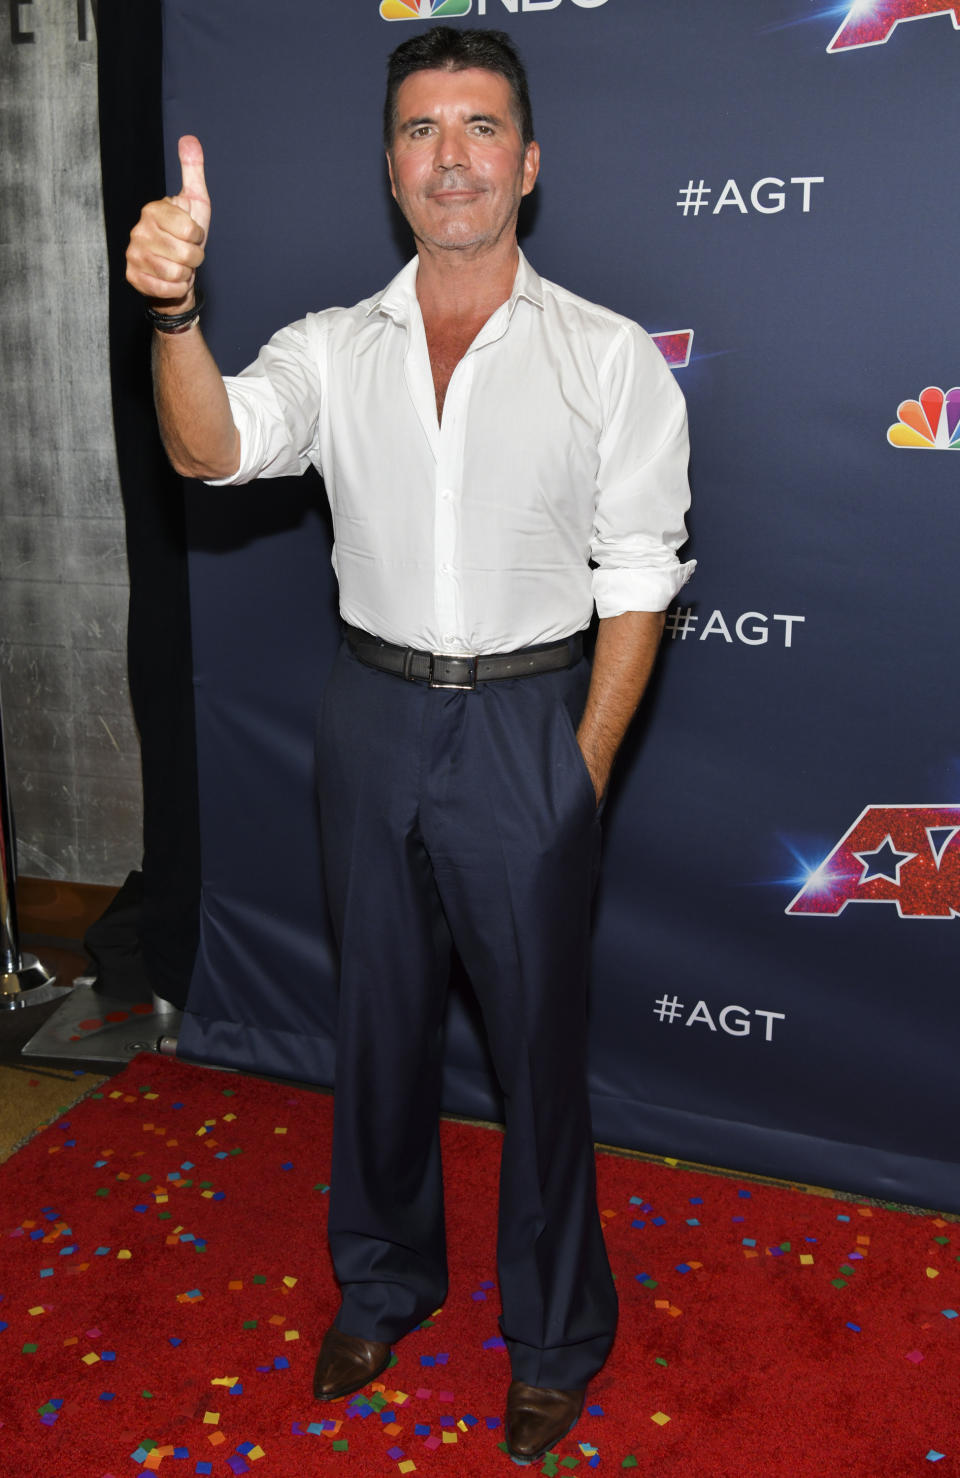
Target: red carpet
165 1283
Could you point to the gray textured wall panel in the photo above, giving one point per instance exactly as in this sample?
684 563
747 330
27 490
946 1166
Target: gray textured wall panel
71 742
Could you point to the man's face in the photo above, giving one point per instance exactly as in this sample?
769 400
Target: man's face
458 168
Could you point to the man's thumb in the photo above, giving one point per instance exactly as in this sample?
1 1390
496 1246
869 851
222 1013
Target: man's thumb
194 185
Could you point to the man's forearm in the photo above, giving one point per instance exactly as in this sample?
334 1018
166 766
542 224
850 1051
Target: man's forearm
193 410
622 663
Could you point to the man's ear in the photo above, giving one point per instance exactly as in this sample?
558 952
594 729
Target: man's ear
531 167
393 186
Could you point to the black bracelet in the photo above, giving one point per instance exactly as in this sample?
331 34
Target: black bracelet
175 323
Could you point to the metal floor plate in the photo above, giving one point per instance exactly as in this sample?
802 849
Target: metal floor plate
91 1027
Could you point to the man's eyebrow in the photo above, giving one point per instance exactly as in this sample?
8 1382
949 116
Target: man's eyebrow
473 118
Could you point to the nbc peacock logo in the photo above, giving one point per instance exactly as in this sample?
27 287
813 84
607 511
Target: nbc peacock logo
422 10
931 423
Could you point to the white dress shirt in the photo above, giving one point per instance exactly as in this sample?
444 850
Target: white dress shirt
563 440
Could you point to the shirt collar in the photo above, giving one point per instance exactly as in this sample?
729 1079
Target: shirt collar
399 296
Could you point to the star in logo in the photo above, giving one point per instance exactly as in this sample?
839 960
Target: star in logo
884 862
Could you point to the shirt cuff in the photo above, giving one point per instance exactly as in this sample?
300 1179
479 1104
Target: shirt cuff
617 591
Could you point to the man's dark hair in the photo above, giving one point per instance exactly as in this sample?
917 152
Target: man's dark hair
444 49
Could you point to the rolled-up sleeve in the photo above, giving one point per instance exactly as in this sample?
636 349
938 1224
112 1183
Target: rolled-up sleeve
642 487
275 404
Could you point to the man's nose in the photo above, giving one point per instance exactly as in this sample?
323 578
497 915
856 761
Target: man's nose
449 151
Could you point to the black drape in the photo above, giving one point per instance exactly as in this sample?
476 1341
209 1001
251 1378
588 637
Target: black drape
159 652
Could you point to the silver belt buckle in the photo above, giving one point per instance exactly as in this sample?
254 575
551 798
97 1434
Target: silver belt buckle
468 687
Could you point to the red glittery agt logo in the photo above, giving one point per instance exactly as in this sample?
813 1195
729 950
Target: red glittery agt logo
871 22
905 855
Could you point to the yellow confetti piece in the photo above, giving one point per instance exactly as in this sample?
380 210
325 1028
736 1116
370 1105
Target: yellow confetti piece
255 1452
39 1309
669 1161
462 1425
91 1359
587 1449
407 1466
228 1119
399 1397
279 1131
161 1200
933 1273
116 1094
291 1334
211 1418
123 1255
151 1095
450 1437
806 1259
660 1417
225 1380
207 1195
290 1282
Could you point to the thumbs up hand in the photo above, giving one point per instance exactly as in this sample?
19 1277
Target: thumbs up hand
167 243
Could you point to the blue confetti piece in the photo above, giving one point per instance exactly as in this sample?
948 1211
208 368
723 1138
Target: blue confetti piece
287 1165
316 1429
45 1273
636 1200
683 1267
387 1417
639 1225
471 1421
659 1221
427 1360
139 1456
176 1105
181 1452
442 1359
933 1456
281 1363
396 1453
101 1252
99 1164
236 1390
203 1468
595 1411
448 1421
478 1297
246 1447
744 1195
854 1327
843 1218
487 1283
108 1355
107 1396
738 1218
422 1429
66 1251
175 1342
141 1209
692 1221
493 1422
3 1326
696 1200
949 1313
219 1196
749 1241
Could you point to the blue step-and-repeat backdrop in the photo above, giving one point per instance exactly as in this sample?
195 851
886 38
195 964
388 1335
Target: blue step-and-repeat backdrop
767 186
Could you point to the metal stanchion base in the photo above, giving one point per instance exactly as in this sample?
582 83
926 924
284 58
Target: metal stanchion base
31 985
70 1032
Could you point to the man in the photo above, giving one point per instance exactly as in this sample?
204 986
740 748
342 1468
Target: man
483 435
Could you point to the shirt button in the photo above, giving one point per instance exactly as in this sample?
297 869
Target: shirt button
449 638
445 569
446 495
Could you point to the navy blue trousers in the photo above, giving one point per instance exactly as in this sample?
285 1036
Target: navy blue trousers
467 817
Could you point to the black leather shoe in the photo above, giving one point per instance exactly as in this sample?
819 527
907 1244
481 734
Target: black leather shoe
346 1364
537 1418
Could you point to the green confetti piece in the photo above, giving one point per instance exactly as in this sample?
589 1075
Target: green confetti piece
259 1278
321 1187
630 1462
29 1349
147 1395
164 1215
229 1092
250 1324
341 1445
96 1095
839 1282
847 1270
785 1246
942 1241
207 1185
144 1178
660 1360
570 1462
103 1191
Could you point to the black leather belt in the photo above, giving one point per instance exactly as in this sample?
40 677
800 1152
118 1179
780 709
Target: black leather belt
446 670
